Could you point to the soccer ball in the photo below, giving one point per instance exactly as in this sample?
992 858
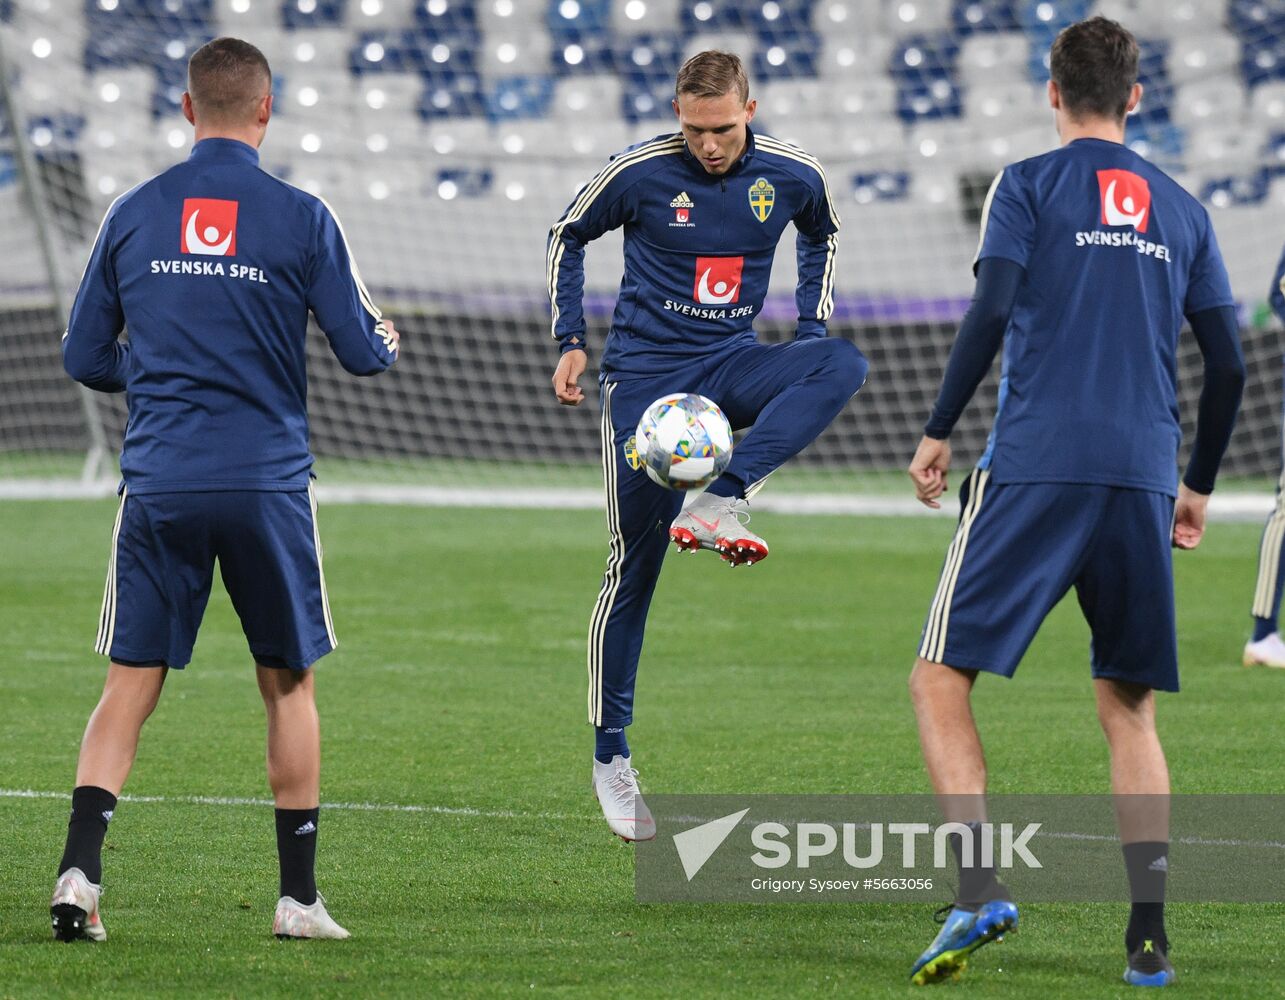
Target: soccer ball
684 441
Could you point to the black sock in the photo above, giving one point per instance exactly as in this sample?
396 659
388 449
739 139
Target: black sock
977 882
1147 863
91 809
297 851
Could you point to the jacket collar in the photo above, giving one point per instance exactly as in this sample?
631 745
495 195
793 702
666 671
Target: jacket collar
224 151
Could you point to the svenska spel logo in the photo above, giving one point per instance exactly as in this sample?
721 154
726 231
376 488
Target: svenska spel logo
718 280
1126 199
209 227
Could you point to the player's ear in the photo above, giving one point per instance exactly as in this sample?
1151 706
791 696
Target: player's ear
750 108
1135 95
1055 96
265 110
674 102
188 113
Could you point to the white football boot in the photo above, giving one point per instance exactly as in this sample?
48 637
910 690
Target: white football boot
719 524
74 908
294 920
616 787
1266 652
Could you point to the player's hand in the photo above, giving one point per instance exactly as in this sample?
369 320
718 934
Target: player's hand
395 338
567 377
1189 517
928 470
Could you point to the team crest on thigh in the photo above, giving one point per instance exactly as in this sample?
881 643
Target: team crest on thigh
762 198
631 453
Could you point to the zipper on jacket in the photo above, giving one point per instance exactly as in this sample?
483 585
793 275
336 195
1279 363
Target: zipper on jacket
722 215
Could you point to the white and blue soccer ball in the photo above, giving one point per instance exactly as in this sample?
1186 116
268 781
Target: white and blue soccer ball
684 441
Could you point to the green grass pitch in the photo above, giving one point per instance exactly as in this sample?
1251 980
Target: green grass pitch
459 687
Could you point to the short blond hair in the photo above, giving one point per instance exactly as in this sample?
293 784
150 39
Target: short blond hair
713 74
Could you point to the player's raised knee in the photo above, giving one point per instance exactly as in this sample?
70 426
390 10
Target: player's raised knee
848 363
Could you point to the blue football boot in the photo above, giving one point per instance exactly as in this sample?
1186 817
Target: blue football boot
1149 965
962 933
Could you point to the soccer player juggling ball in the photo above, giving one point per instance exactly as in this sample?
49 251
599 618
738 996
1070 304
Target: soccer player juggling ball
1089 259
213 266
702 212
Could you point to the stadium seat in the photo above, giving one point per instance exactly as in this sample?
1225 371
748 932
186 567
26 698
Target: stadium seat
783 57
856 20
585 52
1221 99
1223 147
988 56
510 15
779 100
324 50
245 18
1144 18
936 97
1050 16
646 100
577 17
631 17
972 16
452 95
845 57
1262 60
718 15
950 145
516 53
1255 20
918 17
1204 55
1237 189
312 94
444 16
1157 89
879 185
999 106
519 97
471 137
1267 103
366 15
389 96
580 96
817 136
920 57
1163 143
879 141
936 187
313 13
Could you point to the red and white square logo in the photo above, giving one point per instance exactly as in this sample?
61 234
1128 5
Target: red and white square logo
1126 199
682 214
718 280
209 227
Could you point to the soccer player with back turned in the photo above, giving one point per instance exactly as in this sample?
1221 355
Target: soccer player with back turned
1089 259
213 266
702 212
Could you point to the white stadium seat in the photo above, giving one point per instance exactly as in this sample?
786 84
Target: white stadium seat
1217 100
373 15
848 56
736 42
851 18
510 15
577 96
247 18
516 53
1204 56
634 17
388 96
1267 104
917 17
989 56
1223 148
463 137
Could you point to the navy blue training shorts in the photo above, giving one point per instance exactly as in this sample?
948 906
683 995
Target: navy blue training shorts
164 547
1020 547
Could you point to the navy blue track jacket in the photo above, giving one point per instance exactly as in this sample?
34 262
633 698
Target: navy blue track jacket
213 267
698 250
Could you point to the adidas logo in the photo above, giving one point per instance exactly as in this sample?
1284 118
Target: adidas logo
1161 864
614 729
107 815
307 828
682 201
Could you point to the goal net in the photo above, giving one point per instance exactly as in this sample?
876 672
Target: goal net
450 134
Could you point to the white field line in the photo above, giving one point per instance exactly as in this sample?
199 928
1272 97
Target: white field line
222 800
1222 506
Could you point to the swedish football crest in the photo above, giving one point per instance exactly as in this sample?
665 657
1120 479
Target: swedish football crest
631 453
762 198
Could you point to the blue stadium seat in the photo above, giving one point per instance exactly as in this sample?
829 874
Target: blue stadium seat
925 71
721 15
463 182
54 136
922 56
433 53
1162 143
1157 88
647 99
452 95
577 52
783 17
880 185
1262 59
648 59
970 16
181 16
520 97
578 16
1243 189
1256 20
313 13
787 57
1051 15
449 17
